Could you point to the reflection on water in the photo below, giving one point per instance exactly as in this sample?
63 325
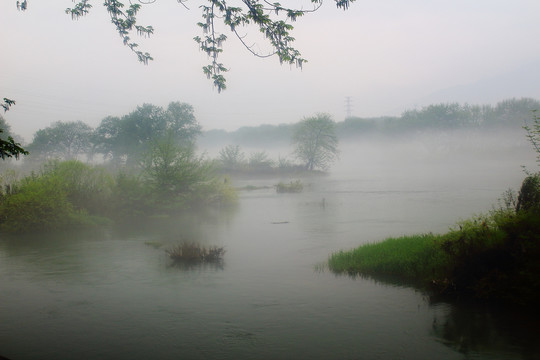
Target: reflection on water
108 294
497 333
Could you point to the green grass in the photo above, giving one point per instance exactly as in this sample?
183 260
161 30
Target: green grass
416 257
493 257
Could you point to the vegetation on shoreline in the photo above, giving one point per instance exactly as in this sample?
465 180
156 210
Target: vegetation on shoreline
404 258
493 257
71 194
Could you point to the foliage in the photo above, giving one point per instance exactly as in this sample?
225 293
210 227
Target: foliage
8 147
231 157
8 181
260 160
533 134
172 170
40 205
191 252
291 187
87 187
507 113
62 140
73 194
232 160
125 140
7 104
63 194
316 142
263 135
130 198
529 194
508 201
271 19
491 257
215 191
436 117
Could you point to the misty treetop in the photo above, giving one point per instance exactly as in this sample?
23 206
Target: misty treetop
122 140
172 169
446 116
125 139
62 140
316 142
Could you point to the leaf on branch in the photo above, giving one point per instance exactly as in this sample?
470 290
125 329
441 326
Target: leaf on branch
7 104
262 14
22 5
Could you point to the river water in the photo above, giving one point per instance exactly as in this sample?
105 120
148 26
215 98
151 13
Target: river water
114 294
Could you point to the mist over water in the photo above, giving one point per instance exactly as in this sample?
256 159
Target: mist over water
108 294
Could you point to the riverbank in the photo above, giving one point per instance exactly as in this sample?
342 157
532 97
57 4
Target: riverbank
493 258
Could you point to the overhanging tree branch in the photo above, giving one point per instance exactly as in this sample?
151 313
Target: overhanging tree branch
271 19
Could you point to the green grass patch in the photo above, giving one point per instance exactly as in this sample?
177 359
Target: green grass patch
415 258
493 257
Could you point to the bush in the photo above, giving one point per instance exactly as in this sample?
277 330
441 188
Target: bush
129 198
529 194
215 191
64 194
189 252
292 187
87 188
39 205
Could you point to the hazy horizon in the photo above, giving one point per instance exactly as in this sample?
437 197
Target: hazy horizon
386 56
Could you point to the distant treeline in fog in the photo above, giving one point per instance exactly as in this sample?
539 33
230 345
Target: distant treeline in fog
511 113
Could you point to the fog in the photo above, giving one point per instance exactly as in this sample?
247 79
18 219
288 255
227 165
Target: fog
486 158
386 56
85 246
267 299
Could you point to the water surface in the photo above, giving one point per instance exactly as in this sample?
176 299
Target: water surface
114 294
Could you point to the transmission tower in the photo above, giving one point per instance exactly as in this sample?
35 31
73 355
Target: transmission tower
348 106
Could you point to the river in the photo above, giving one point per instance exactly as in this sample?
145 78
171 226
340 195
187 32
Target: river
114 294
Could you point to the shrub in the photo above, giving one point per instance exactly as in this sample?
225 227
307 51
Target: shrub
529 194
130 198
86 187
190 252
292 187
64 194
215 191
39 205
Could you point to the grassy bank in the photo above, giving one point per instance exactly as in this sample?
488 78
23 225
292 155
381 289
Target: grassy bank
493 257
409 258
71 194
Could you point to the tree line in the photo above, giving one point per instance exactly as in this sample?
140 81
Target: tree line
510 113
151 134
121 140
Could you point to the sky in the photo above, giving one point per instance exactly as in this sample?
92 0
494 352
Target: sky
387 56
